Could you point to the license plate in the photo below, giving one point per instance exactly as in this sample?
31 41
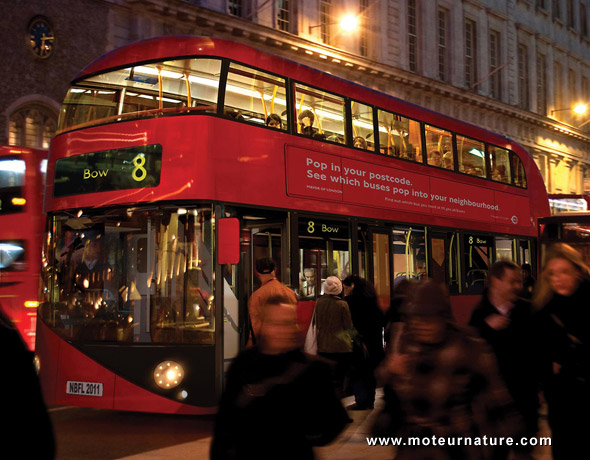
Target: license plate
84 388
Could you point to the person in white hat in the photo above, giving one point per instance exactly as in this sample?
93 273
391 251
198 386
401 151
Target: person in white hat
334 329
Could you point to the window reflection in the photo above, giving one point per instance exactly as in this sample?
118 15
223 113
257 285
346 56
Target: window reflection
135 276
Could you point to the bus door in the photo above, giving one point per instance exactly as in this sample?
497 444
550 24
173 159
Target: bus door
380 241
444 259
261 238
323 250
477 258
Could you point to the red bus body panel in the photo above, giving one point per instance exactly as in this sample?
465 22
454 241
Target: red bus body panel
63 362
19 286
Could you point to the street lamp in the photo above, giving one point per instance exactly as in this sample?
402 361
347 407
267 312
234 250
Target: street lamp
348 23
580 109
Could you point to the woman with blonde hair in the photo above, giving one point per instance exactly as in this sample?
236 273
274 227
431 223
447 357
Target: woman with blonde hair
563 295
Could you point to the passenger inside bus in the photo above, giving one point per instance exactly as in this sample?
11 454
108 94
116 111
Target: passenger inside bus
499 173
308 283
359 142
306 119
274 121
435 159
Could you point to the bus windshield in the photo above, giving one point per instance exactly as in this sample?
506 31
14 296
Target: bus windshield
141 276
12 181
183 85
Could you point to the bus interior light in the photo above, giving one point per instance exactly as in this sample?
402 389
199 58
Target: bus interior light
31 303
18 201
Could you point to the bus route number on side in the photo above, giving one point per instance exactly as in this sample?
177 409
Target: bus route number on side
84 388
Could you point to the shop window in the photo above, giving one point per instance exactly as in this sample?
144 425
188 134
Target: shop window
31 127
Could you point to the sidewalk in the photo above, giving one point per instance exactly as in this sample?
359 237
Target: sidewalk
350 445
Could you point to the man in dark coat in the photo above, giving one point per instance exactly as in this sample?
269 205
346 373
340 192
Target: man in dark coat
505 322
27 431
278 402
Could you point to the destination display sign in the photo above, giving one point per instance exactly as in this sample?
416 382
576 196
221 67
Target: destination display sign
116 169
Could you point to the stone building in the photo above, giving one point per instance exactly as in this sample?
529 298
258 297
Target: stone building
517 67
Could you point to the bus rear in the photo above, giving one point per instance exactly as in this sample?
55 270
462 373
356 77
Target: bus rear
22 177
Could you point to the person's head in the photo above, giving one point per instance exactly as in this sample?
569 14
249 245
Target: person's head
428 311
435 158
279 331
359 142
332 286
505 280
274 121
265 266
355 285
306 119
309 274
564 269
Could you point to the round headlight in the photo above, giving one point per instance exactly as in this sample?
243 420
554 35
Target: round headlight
168 374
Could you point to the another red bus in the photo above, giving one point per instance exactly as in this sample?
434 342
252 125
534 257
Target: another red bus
22 181
166 184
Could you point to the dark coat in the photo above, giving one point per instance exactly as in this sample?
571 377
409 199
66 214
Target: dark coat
565 328
451 389
27 432
368 320
276 406
516 351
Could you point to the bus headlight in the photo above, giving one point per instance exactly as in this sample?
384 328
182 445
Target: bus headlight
168 374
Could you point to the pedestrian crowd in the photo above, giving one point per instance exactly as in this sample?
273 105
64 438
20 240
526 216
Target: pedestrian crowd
525 343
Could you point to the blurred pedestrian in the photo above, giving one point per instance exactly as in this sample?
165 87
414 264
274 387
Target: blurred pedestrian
27 431
367 319
445 381
278 402
563 292
269 286
334 331
505 322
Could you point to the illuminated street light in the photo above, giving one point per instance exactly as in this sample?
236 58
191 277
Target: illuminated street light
348 23
580 109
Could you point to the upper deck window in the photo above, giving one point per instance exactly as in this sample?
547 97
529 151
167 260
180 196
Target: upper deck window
471 156
168 87
320 114
439 147
518 173
12 181
399 137
362 126
255 96
500 164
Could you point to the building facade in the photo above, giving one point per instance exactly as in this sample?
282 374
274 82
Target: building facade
517 67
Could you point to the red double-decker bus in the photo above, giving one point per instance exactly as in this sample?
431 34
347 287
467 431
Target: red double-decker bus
22 180
179 161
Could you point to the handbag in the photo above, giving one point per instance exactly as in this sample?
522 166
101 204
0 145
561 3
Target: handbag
311 340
